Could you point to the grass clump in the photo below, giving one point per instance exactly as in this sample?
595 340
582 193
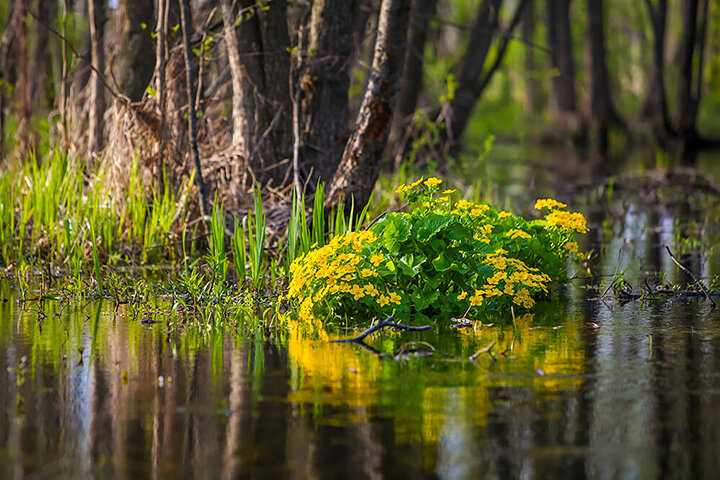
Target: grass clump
441 259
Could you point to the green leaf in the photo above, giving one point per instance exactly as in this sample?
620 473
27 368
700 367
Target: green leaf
441 263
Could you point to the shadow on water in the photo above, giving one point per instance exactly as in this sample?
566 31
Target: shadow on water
584 387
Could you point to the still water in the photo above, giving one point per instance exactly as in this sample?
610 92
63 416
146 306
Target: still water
582 388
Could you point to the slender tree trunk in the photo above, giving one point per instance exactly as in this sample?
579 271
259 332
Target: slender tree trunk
563 99
96 9
475 75
655 108
686 111
186 22
22 86
533 88
360 164
456 112
324 86
411 84
601 104
135 64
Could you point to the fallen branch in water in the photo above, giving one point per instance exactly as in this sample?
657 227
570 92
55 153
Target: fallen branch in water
487 349
388 322
690 274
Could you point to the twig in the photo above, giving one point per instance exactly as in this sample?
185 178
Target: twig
690 274
483 350
388 322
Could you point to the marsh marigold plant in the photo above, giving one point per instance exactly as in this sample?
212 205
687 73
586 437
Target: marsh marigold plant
443 258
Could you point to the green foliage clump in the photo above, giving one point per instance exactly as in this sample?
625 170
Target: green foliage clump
441 258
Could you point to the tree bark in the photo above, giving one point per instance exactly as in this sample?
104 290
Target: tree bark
8 68
261 104
46 16
561 56
421 13
96 127
360 164
135 63
324 86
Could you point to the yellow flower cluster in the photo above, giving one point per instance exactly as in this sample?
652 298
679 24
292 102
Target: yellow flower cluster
406 188
548 203
567 221
513 278
336 269
432 182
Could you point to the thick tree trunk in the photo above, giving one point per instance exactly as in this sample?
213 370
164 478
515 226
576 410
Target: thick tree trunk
46 15
135 64
411 84
602 107
563 99
360 165
261 100
8 68
324 86
533 88
96 123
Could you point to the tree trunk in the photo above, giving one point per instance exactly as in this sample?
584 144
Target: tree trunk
456 112
261 105
8 68
655 107
22 85
475 75
360 164
186 21
411 84
46 16
533 88
324 86
561 57
602 107
686 111
96 123
135 63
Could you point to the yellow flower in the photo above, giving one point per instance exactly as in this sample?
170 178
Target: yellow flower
394 298
504 214
515 233
548 203
477 299
415 183
371 290
382 300
366 272
432 182
571 247
402 189
463 204
357 292
462 296
443 199
450 191
376 259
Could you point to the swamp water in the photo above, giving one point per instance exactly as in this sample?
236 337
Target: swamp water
581 388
